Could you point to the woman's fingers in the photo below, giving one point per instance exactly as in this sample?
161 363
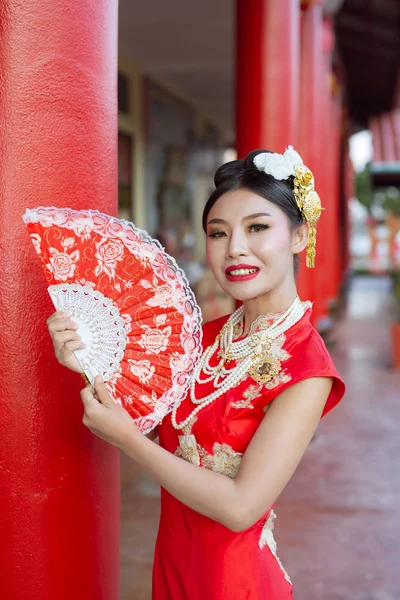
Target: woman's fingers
67 357
88 399
56 316
62 337
70 347
102 392
103 416
73 345
61 324
59 314
62 331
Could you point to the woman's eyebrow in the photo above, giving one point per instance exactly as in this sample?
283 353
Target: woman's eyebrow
217 220
256 215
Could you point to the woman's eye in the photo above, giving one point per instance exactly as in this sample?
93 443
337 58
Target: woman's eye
216 234
258 227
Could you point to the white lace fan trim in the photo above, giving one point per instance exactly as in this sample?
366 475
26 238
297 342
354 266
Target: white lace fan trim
101 328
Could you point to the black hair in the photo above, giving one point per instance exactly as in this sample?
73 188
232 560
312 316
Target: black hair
243 174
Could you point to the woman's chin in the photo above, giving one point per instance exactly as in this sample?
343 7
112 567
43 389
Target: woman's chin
242 295
243 291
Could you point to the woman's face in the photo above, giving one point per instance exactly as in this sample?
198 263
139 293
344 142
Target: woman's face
250 245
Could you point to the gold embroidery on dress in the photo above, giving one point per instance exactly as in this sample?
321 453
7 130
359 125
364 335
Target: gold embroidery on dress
252 392
188 447
267 539
189 450
223 460
280 376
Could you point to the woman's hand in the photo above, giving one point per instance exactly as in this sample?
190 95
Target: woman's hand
104 417
65 340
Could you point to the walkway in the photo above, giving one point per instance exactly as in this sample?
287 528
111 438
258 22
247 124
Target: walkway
338 525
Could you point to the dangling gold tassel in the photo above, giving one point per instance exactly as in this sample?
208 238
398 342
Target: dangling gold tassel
309 204
310 252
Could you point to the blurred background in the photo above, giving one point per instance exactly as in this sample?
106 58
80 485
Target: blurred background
200 83
186 84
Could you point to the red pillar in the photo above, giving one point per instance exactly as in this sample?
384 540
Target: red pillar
395 117
328 279
311 89
375 128
58 132
267 74
337 277
348 193
323 272
388 139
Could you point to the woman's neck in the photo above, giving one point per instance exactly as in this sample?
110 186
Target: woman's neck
271 303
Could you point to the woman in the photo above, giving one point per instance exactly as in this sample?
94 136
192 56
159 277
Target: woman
259 390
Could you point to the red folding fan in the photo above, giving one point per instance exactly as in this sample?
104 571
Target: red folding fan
136 312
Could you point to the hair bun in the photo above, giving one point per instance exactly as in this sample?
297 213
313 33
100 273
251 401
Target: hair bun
236 168
228 171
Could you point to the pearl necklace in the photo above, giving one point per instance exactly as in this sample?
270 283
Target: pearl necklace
248 353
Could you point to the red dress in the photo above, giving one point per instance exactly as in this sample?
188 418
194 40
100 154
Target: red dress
197 558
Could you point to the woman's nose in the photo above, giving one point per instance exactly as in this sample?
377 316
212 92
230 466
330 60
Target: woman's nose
237 246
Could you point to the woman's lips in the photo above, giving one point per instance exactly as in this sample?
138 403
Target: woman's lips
241 272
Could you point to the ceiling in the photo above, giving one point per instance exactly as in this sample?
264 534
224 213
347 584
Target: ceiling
189 46
368 46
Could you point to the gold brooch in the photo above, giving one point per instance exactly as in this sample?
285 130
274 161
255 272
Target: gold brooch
265 367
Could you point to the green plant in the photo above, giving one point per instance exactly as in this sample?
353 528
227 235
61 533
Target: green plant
364 189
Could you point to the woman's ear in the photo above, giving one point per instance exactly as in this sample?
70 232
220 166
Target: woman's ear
300 238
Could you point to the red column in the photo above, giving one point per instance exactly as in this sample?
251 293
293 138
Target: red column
311 89
323 272
339 222
327 275
375 128
59 484
388 141
349 192
333 214
267 74
345 190
395 117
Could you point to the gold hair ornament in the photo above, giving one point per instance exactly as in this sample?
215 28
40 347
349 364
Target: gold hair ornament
309 204
282 166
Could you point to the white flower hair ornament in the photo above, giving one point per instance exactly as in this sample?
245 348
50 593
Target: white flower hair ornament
280 166
283 166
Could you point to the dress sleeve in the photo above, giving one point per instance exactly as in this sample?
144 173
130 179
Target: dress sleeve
310 358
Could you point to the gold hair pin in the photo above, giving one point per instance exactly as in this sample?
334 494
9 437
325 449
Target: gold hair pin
309 204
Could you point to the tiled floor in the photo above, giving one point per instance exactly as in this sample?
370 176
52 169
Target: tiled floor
338 526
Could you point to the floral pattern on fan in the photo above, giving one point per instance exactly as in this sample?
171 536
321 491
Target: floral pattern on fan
157 320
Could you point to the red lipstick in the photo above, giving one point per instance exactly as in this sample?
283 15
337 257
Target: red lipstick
232 274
